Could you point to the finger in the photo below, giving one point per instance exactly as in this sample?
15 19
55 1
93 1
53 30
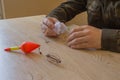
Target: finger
78 28
78 41
50 33
43 27
75 30
77 35
49 23
53 20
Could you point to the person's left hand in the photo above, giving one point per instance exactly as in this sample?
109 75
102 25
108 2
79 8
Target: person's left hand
85 37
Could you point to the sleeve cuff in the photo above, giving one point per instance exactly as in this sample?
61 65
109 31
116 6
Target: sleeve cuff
109 40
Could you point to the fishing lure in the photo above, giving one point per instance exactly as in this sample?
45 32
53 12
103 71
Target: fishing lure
26 47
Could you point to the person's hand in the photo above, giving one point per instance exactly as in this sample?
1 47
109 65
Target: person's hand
85 37
48 26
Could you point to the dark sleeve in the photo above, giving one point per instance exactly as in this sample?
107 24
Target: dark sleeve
67 10
111 40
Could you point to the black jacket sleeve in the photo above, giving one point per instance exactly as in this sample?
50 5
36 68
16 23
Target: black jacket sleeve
67 10
111 40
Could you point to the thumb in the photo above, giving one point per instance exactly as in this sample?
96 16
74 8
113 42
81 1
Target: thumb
49 22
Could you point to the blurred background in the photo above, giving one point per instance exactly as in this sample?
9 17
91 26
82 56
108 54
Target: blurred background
23 8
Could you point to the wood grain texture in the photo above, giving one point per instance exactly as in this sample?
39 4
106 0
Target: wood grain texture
76 64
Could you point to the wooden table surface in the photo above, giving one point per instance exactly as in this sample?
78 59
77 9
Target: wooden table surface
76 64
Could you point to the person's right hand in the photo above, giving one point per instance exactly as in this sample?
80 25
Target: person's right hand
48 26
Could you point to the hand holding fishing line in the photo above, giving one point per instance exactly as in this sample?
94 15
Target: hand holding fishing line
52 27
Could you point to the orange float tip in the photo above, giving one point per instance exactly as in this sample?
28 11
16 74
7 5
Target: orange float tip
7 49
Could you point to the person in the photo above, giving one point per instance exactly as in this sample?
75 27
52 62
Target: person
102 30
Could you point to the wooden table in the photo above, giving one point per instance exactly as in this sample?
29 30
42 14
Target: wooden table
76 64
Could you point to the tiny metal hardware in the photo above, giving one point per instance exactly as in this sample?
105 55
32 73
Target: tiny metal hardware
53 59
